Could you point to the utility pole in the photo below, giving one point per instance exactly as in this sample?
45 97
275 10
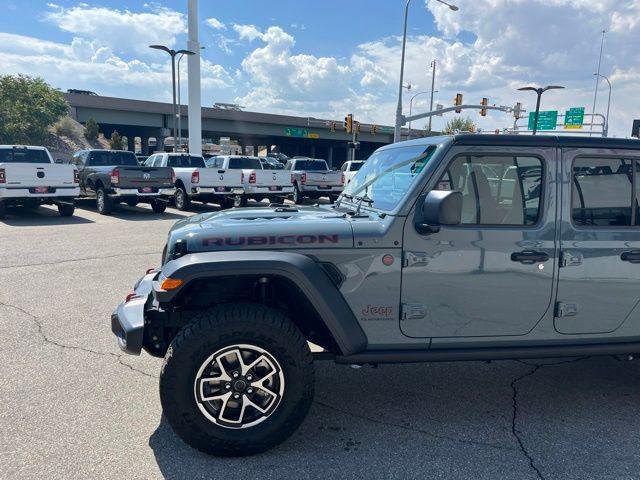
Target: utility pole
595 94
433 84
195 91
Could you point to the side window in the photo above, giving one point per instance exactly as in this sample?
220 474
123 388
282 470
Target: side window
602 193
344 167
496 190
149 161
159 160
288 166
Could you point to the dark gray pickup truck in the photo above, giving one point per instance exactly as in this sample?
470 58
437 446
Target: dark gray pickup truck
114 176
470 247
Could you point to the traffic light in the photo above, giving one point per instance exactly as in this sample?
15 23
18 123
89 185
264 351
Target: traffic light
457 102
332 126
348 123
483 111
358 128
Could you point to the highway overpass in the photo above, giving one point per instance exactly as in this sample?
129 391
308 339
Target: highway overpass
290 135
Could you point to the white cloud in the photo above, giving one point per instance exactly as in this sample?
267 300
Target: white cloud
216 24
121 30
247 32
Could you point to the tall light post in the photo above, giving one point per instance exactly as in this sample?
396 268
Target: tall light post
595 93
606 124
539 92
411 107
179 100
173 54
433 85
398 126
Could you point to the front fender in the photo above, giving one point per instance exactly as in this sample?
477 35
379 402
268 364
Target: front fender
305 273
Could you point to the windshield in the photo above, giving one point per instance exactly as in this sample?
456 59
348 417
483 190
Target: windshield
236 163
23 155
311 165
385 178
185 161
109 158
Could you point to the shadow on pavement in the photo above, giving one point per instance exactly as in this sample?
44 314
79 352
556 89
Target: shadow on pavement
135 214
40 217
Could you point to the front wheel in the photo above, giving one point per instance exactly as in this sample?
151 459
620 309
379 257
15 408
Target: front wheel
237 380
66 209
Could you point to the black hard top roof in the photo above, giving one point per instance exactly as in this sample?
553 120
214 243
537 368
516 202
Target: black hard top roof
546 140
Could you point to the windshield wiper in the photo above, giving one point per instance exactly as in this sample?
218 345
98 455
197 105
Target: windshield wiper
363 199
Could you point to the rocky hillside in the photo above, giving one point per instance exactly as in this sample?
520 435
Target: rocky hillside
65 146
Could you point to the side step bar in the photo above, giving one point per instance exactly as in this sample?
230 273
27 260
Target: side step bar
479 354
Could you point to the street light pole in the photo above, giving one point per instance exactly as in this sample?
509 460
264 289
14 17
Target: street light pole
433 84
179 104
398 126
606 124
173 54
539 92
411 107
595 94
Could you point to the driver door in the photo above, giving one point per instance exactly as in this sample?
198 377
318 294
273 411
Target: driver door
493 274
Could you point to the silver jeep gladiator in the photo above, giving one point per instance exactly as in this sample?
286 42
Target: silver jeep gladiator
469 247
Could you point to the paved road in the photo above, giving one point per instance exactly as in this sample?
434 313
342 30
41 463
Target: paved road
73 407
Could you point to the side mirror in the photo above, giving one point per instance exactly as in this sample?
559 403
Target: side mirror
59 160
439 208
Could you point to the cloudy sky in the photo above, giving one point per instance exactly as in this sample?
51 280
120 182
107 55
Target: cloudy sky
336 57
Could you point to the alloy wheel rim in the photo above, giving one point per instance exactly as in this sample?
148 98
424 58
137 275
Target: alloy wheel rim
239 386
179 198
100 200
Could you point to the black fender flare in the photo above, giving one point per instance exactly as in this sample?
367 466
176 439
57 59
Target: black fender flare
304 272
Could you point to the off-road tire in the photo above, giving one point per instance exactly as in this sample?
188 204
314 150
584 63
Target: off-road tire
104 205
66 209
227 325
158 206
181 199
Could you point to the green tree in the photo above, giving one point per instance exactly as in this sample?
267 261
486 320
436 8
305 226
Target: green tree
91 130
459 124
28 107
115 143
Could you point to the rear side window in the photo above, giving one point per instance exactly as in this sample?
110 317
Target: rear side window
112 158
236 163
603 193
23 155
185 161
497 190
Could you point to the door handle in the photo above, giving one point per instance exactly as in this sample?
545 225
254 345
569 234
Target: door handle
632 256
529 257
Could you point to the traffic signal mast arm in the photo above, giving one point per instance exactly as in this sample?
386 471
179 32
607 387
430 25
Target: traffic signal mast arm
405 119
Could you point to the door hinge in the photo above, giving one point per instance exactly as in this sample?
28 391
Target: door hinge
566 309
415 259
570 259
413 310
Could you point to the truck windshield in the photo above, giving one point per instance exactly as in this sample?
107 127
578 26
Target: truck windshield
185 161
236 163
385 178
311 165
23 155
109 158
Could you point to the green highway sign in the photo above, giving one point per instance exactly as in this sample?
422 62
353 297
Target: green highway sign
574 117
546 120
296 132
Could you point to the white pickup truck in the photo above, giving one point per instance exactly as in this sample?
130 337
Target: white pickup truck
194 181
258 183
312 178
349 170
29 178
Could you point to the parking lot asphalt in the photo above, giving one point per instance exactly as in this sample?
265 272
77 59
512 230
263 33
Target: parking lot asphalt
73 407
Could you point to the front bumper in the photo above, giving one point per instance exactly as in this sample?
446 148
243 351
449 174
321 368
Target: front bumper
127 320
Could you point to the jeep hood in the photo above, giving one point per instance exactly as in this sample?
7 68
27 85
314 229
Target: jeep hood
274 228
